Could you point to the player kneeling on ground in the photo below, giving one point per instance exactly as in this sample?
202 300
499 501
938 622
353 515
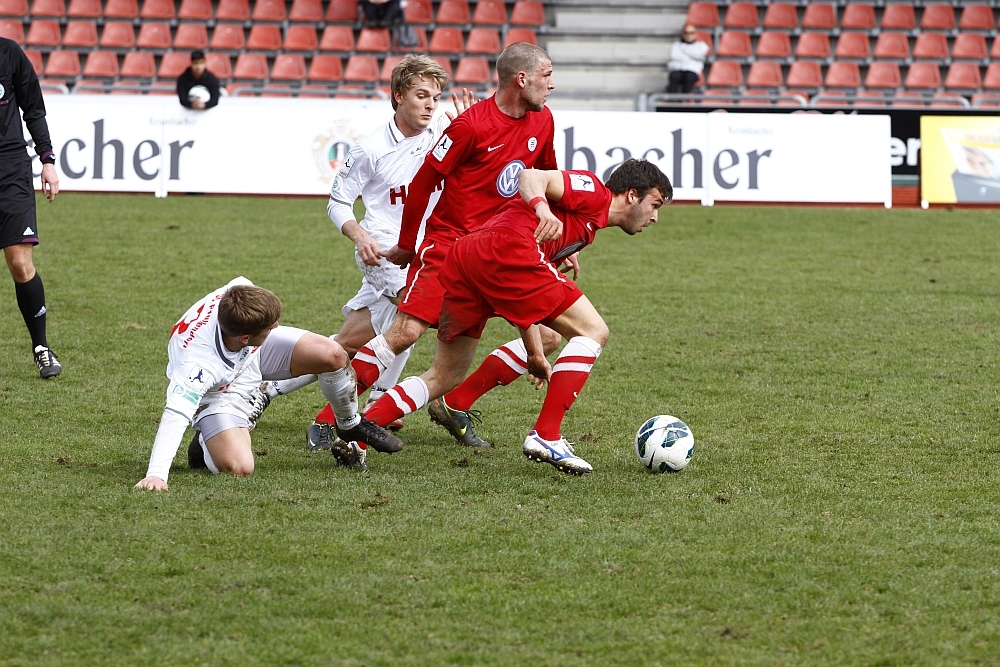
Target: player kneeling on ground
503 269
219 353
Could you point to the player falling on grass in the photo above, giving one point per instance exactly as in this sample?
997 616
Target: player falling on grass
219 352
379 169
505 269
479 158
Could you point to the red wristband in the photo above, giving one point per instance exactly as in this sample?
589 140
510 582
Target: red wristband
536 201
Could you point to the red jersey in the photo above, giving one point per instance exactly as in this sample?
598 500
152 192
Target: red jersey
583 210
481 154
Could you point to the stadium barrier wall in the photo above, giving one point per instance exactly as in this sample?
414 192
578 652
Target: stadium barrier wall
294 147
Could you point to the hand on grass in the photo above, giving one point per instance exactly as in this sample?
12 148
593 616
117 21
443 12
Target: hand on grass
153 484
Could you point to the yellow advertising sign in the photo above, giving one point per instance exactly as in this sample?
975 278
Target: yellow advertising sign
959 159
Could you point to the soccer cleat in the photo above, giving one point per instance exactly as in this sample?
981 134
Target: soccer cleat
555 452
394 425
196 455
48 365
259 399
319 436
457 422
349 454
372 435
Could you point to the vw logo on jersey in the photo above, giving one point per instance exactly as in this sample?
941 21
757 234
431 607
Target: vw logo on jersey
507 180
532 142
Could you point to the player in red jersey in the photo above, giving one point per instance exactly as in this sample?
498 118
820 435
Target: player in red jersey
479 158
506 268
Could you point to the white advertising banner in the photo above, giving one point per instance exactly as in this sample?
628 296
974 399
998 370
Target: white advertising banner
294 146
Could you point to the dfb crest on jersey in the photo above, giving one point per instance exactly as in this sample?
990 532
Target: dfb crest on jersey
330 149
581 182
508 180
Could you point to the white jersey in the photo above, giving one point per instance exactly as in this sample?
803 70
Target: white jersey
201 370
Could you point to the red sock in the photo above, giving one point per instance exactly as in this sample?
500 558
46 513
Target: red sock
569 374
326 416
367 368
408 396
495 371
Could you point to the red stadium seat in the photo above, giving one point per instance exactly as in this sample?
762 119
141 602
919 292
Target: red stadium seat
90 87
121 83
228 37
969 46
870 98
853 46
84 9
923 75
154 36
232 10
742 15
947 101
306 11
842 74
986 101
765 74
804 74
289 67
813 45
191 36
418 12
521 35
80 35
195 10
326 68
858 17
473 72
703 14
899 17
421 34
892 46
453 12
819 16
483 41
995 50
445 64
387 65
938 17
527 12
251 67
342 11
781 16
774 45
157 9
992 79
101 65
264 38
725 74
883 75
374 40
172 65
931 46
118 35
361 69
706 37
977 17
735 44
301 38
14 8
963 76
219 64
909 98
121 9
269 10
14 29
139 65
35 58
490 12
55 8
446 40
43 33
337 38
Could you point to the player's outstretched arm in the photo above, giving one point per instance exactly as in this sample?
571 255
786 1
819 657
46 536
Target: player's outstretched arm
535 184
368 249
418 195
463 104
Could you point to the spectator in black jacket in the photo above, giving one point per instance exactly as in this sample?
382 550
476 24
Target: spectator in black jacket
198 88
20 93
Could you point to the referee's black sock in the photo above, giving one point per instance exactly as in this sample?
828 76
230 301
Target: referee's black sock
31 301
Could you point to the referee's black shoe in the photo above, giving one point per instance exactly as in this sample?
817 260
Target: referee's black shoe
196 455
48 365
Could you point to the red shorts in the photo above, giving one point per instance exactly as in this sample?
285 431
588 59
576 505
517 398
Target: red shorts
496 271
424 291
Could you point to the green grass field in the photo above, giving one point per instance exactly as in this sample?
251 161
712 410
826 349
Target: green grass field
838 368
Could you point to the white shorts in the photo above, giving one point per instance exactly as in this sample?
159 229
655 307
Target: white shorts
272 362
383 311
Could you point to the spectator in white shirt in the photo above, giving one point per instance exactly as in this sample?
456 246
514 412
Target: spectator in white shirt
687 61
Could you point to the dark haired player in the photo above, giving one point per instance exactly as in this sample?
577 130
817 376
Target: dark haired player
504 269
19 89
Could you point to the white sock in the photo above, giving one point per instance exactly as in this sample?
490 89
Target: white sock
282 387
339 388
514 355
410 395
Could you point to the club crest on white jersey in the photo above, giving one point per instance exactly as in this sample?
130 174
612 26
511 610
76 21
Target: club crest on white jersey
581 182
508 180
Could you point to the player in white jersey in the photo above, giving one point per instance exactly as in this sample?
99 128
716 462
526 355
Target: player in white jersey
219 353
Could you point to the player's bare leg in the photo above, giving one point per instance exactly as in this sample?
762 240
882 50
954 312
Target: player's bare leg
356 330
230 452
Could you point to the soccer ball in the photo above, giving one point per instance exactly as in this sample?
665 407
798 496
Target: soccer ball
664 444
199 93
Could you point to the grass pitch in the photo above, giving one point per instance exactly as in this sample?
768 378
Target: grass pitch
837 367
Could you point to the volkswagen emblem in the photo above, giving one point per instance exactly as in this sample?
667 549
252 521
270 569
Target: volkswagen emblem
507 180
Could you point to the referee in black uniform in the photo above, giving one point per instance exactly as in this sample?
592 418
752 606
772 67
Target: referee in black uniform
18 228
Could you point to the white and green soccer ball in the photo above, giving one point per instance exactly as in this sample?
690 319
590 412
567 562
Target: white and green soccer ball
664 444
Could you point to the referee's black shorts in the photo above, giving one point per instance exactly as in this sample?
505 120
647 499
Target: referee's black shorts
17 201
